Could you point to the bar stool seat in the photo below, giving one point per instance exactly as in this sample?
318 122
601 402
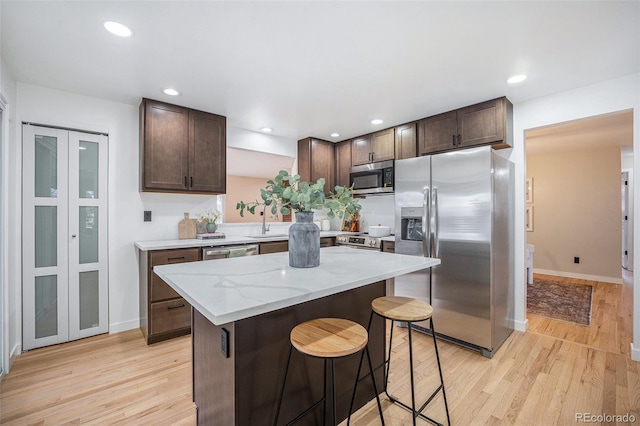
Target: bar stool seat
328 339
402 308
408 310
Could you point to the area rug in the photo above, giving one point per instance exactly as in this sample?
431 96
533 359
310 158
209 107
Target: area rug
561 301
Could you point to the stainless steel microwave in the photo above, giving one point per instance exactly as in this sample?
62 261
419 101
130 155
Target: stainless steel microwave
373 178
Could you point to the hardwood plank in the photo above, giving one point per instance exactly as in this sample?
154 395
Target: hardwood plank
544 376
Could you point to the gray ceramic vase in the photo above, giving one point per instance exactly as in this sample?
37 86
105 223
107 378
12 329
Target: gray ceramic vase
304 242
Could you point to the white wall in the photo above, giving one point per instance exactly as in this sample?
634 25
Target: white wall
609 96
377 209
126 204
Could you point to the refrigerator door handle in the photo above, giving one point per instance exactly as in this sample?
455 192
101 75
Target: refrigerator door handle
426 223
436 224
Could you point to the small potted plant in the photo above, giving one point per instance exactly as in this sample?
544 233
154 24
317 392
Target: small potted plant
210 218
288 193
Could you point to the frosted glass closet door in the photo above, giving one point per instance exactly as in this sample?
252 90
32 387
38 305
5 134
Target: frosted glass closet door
88 290
45 236
65 282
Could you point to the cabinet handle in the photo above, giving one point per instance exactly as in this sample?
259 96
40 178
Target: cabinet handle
459 137
176 307
185 181
191 182
177 259
454 140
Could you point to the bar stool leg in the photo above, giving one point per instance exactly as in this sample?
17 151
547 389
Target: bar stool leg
388 362
333 393
286 370
413 392
375 387
444 394
324 394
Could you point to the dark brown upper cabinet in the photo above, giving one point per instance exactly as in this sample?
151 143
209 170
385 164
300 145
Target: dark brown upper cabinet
343 163
486 123
316 159
181 149
374 147
406 141
361 150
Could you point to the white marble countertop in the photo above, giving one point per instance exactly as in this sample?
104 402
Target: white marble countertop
228 290
228 240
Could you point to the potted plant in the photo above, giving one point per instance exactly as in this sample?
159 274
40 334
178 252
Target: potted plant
210 218
286 193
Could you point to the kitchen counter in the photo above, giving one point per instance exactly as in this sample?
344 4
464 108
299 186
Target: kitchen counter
243 311
228 240
232 289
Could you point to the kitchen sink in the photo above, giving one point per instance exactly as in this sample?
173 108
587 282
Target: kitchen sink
268 236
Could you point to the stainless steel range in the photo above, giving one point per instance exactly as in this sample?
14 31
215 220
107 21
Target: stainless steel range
359 241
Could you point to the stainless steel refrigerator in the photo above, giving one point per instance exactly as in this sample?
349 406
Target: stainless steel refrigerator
458 206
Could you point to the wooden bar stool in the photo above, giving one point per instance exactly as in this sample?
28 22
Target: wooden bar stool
408 310
328 339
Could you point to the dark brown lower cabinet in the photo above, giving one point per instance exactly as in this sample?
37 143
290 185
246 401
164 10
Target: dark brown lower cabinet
274 247
280 246
163 313
242 389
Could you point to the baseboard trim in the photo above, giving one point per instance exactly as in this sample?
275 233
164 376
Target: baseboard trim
611 280
17 350
124 326
521 325
635 353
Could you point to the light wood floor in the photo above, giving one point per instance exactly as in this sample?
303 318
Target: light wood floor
542 377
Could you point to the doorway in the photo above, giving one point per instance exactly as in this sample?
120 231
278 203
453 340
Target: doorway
576 169
64 233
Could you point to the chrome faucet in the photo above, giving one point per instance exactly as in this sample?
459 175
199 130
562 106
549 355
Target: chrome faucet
265 227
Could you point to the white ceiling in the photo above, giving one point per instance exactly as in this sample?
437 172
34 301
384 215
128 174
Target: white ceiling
312 68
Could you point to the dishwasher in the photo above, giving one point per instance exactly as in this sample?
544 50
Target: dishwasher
224 252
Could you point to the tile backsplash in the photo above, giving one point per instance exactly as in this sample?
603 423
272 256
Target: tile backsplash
377 210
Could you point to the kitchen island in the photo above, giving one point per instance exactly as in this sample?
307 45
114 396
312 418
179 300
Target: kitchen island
243 311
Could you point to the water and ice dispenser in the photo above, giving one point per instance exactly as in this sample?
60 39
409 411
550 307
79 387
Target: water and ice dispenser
411 223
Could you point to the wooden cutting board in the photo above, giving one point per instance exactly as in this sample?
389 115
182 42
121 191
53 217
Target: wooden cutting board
187 228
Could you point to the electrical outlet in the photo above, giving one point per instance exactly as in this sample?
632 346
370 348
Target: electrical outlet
576 260
224 342
147 215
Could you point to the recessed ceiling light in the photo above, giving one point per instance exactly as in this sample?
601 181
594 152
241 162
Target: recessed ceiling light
117 29
171 92
335 135
267 129
376 121
517 79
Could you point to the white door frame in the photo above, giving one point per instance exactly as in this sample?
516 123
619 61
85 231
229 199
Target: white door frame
4 231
